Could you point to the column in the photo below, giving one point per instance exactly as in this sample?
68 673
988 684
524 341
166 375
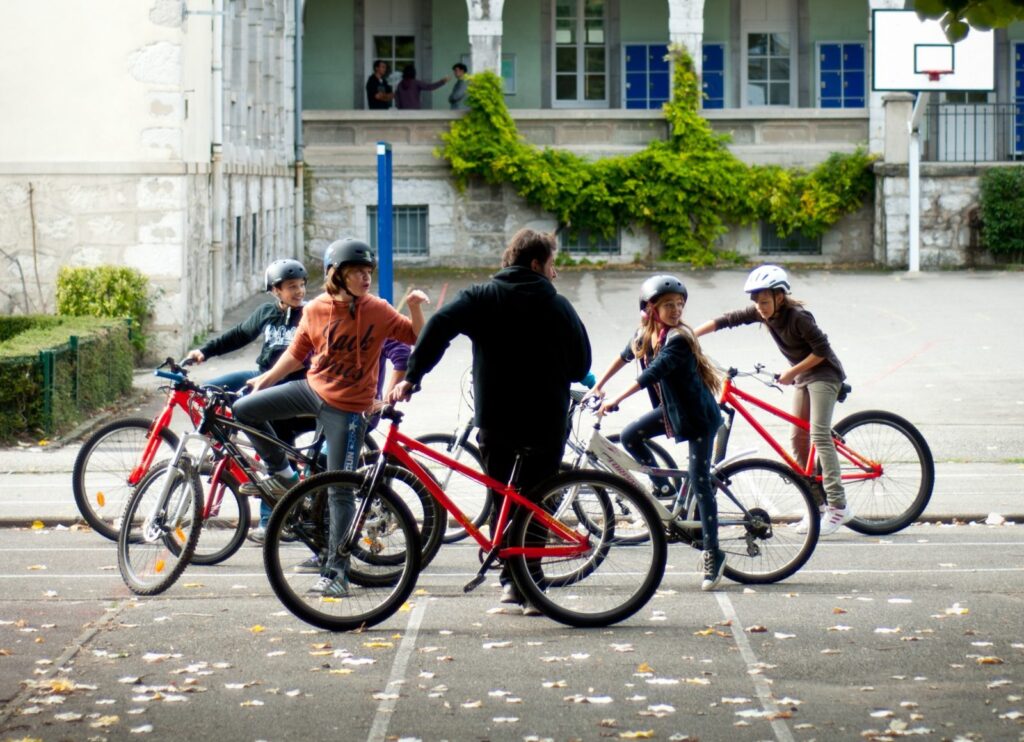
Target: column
485 35
686 28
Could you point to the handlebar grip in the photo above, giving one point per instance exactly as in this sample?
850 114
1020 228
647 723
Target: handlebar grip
176 378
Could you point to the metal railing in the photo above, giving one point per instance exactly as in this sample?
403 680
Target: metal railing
974 132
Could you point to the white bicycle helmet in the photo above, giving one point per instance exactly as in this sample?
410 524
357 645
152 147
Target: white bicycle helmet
766 277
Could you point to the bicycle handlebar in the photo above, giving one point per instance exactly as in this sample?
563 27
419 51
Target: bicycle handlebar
171 376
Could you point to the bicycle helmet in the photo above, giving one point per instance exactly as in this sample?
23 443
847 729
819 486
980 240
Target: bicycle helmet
655 286
766 277
348 251
282 270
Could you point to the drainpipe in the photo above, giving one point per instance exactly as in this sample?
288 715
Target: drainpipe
300 248
217 167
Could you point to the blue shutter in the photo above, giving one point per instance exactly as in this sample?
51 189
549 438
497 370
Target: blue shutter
636 58
713 75
1018 98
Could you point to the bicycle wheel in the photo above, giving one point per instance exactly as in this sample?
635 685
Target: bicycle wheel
890 500
160 528
767 520
424 509
611 580
225 520
472 497
103 466
382 548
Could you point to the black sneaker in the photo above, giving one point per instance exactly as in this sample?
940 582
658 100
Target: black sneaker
714 566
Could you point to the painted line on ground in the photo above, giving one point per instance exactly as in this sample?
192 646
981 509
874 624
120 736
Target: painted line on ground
385 709
761 686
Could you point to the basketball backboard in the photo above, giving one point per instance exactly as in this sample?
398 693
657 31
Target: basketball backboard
910 54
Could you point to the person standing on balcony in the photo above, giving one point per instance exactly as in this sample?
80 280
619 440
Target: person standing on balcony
457 98
378 89
407 96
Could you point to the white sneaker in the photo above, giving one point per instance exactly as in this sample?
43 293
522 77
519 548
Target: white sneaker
805 523
320 585
832 518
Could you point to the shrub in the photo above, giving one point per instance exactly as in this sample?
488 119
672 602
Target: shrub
106 291
54 369
1002 210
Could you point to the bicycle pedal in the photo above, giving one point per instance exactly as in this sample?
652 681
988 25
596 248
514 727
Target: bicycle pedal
474 583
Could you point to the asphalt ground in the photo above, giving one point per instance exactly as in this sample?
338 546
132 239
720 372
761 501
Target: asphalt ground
914 634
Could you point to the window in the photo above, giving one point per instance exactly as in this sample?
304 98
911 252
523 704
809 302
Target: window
768 65
397 51
585 242
581 75
408 228
647 75
713 75
797 243
508 70
841 81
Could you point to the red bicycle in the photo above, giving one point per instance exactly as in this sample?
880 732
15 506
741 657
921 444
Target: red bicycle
887 468
560 543
115 458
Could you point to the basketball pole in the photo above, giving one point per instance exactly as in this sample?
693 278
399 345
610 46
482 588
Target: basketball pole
385 236
914 186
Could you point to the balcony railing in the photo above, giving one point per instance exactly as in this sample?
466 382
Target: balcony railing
974 132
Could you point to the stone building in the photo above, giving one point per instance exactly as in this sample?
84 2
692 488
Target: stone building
149 133
790 80
171 135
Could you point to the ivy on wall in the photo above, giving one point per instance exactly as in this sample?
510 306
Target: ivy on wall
688 188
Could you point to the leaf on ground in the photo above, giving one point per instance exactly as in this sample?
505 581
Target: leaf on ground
379 644
554 684
472 704
781 635
257 629
253 702
497 645
756 629
105 722
644 667
989 660
38 525
888 630
645 734
385 696
36 567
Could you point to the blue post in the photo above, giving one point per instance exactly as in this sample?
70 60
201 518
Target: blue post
385 238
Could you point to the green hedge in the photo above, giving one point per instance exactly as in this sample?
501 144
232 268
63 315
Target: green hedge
1002 210
106 291
53 370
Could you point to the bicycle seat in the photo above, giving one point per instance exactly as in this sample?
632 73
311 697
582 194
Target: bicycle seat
844 391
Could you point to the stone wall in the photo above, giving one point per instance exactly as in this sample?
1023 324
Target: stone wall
949 193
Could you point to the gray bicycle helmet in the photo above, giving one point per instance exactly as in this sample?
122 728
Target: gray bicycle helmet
282 270
655 286
767 277
348 251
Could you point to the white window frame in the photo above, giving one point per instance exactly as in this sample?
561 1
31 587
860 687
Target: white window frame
768 27
394 76
580 60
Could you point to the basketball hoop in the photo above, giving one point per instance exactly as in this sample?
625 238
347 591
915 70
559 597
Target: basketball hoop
936 75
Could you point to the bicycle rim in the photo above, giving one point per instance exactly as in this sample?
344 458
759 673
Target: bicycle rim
896 498
426 512
472 497
612 580
159 533
383 560
102 468
767 521
226 523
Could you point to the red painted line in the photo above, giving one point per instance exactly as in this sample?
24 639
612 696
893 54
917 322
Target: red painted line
897 366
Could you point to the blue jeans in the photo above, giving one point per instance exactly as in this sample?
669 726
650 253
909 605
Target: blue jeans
343 433
233 381
634 438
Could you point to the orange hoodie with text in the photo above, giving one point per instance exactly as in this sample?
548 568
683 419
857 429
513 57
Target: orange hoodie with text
345 349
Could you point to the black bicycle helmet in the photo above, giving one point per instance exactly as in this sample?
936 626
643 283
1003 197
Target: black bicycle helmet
282 270
348 251
655 286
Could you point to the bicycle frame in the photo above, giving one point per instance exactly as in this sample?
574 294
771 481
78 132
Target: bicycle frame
397 446
732 400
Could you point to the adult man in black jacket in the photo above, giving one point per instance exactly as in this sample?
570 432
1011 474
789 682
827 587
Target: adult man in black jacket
529 345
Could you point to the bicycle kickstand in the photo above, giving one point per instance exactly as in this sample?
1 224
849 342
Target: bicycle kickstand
473 584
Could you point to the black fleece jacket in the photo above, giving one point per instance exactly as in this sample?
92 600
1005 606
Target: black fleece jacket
276 325
529 345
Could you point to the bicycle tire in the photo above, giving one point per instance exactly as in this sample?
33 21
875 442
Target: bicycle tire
151 556
768 528
610 582
103 464
376 591
426 512
477 505
897 498
223 532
